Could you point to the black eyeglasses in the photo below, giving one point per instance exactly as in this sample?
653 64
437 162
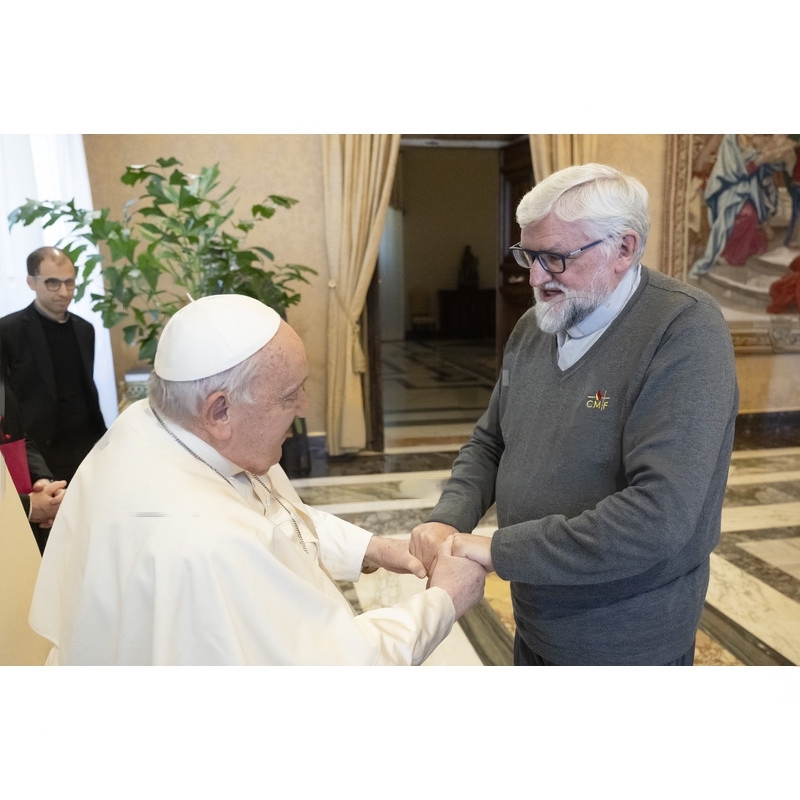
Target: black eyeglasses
54 284
554 263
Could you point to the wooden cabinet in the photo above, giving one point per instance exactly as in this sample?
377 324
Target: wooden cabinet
466 313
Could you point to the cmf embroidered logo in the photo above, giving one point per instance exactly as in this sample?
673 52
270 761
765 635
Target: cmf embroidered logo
598 400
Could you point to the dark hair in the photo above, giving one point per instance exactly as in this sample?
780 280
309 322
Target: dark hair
40 254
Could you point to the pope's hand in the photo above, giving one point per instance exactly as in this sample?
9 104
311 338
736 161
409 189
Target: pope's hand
461 578
392 554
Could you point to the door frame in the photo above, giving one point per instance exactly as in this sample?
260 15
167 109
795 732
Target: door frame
516 178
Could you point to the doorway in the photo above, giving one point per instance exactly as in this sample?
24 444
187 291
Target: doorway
433 339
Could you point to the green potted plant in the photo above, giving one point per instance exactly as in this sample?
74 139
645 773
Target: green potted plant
175 242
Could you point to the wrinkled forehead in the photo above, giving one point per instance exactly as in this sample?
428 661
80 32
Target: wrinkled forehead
552 232
286 354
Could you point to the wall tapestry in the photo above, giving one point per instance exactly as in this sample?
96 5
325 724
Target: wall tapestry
731 227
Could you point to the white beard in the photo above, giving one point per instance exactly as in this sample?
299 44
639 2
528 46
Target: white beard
561 313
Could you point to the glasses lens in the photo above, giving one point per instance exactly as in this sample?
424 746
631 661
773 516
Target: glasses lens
54 284
522 258
552 262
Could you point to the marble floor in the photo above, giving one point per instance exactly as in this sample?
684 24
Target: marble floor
433 394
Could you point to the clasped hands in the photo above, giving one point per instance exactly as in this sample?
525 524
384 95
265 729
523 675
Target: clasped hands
45 499
453 561
428 540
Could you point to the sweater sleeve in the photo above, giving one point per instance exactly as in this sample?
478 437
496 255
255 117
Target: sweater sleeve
469 492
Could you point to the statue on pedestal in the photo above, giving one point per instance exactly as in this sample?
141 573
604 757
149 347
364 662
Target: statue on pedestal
468 273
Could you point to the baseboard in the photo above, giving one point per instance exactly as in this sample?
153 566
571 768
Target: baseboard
768 429
769 419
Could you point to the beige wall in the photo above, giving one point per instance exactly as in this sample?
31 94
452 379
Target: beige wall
768 382
259 165
467 196
643 156
450 200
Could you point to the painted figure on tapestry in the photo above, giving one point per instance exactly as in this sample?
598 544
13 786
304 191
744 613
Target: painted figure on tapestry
741 194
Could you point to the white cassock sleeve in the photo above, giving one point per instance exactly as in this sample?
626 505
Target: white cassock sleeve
182 572
430 615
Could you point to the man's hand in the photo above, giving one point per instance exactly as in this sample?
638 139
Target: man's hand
392 554
461 578
475 548
427 538
45 499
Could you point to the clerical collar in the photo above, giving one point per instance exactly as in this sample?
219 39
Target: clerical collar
607 310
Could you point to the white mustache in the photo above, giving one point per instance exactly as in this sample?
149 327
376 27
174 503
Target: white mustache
568 294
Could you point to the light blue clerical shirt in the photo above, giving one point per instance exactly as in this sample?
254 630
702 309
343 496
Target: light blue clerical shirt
575 341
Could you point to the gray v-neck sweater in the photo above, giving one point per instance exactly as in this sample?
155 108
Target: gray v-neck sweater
609 478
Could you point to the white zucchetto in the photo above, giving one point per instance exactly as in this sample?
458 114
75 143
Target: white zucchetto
213 334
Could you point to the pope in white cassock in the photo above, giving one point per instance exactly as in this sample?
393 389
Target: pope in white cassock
181 540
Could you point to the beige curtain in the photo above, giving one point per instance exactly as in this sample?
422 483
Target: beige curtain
554 151
359 171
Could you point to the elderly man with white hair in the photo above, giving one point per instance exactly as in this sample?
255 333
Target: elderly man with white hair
607 439
182 541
